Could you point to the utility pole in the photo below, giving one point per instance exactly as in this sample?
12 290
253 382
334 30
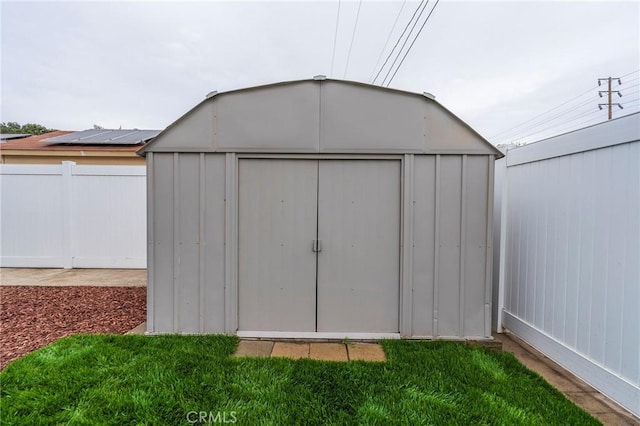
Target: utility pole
609 93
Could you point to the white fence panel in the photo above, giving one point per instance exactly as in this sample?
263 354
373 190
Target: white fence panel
73 216
571 269
32 221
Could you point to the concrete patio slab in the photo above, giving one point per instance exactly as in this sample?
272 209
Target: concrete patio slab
328 351
73 277
365 352
290 350
254 348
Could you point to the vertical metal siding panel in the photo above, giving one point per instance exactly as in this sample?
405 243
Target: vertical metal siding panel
423 244
188 243
407 245
359 226
449 250
163 262
231 244
150 241
214 243
475 245
202 180
277 224
436 244
631 311
463 242
176 241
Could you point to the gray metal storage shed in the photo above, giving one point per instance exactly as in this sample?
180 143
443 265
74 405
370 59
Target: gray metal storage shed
320 208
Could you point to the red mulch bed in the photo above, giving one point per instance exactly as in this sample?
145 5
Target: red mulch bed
32 317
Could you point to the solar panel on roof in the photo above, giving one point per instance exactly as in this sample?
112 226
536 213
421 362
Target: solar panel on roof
105 137
8 136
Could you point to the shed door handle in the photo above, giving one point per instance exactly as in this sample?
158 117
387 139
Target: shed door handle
316 246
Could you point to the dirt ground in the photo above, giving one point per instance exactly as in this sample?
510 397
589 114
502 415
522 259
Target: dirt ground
32 317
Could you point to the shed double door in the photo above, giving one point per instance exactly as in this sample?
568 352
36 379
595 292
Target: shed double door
319 245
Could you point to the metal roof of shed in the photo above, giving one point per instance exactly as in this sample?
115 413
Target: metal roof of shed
320 116
105 137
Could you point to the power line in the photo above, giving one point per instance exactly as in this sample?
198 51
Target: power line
584 114
632 72
629 101
335 38
529 132
563 125
546 112
559 114
387 41
398 41
537 123
414 40
405 42
355 26
543 121
580 125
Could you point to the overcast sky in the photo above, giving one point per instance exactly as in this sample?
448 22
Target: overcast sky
70 65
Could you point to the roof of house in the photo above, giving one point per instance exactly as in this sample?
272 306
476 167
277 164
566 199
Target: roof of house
47 142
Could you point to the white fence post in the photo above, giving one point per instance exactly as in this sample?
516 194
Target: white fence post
67 177
504 217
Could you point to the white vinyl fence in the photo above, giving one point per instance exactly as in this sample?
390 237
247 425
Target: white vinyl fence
569 255
72 216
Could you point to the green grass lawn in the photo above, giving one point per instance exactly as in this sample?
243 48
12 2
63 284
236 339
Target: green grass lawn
121 380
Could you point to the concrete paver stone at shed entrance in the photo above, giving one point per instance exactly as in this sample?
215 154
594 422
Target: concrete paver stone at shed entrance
290 350
365 352
254 348
328 351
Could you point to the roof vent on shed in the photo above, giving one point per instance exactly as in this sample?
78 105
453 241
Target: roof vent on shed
319 77
429 95
211 94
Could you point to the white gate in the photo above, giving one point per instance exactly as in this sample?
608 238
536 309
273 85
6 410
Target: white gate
72 216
